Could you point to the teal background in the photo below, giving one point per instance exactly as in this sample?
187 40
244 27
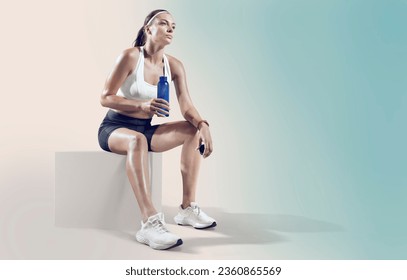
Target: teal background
307 103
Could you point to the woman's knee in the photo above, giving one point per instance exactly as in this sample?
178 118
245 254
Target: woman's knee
189 129
137 142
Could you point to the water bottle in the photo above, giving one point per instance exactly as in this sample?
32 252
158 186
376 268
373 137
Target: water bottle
163 90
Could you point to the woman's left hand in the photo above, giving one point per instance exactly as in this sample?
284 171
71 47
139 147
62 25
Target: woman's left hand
206 139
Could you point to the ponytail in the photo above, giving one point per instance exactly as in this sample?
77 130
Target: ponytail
141 38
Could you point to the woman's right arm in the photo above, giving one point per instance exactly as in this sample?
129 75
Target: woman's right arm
124 65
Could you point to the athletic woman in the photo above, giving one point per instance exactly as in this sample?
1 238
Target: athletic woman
130 93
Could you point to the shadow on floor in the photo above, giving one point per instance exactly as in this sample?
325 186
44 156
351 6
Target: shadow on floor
252 228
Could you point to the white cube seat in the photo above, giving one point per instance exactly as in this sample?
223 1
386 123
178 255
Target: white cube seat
92 190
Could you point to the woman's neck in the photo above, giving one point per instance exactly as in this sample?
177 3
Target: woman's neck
153 53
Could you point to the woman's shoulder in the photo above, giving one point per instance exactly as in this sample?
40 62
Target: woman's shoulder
130 53
175 63
128 58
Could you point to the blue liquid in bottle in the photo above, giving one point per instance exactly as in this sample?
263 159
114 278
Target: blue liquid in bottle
163 90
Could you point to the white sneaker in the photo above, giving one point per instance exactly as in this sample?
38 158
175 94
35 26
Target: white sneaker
194 216
156 235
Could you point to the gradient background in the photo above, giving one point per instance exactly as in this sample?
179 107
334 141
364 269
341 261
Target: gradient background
306 101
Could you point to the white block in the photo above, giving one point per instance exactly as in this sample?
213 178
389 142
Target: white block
92 190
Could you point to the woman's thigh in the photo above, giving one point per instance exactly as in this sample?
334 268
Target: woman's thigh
122 138
172 134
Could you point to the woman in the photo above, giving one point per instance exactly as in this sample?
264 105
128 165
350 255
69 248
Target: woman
131 94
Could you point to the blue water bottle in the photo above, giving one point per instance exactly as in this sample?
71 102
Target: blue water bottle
163 90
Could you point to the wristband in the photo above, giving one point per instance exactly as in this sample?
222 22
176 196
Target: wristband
200 122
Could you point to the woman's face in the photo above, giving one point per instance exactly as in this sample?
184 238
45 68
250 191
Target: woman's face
162 28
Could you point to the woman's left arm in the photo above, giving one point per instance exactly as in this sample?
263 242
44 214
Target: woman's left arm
188 110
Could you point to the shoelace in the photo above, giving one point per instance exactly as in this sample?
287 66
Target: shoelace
159 226
196 209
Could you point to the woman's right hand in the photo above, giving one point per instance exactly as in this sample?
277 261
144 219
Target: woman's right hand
157 106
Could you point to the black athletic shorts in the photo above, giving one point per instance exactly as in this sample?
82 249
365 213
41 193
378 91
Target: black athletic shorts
114 120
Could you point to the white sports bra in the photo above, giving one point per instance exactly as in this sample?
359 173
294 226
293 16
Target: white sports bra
134 87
